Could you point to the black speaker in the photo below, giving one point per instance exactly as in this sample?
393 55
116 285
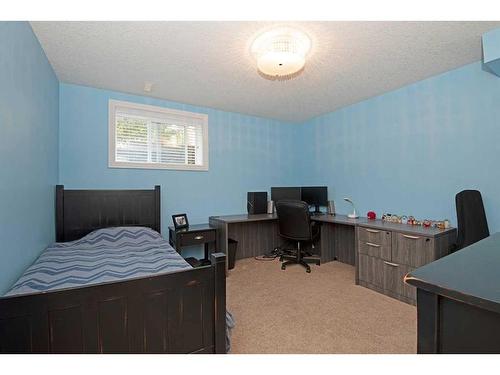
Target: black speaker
257 202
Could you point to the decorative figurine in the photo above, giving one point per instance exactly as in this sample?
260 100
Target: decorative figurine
410 220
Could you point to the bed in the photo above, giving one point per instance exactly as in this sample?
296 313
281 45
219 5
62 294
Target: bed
112 284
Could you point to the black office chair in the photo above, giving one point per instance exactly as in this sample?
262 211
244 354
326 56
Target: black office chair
471 218
294 223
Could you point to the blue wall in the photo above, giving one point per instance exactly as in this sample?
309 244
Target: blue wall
407 151
411 150
246 154
28 149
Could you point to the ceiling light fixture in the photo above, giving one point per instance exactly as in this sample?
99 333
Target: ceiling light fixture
281 53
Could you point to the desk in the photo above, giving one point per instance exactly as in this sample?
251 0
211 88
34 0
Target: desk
382 252
458 300
258 234
339 238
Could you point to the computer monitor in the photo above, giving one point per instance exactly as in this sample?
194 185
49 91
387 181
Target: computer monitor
315 195
281 193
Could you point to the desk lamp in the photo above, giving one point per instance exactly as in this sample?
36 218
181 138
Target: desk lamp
353 215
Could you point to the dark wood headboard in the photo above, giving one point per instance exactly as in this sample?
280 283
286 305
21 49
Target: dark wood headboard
79 212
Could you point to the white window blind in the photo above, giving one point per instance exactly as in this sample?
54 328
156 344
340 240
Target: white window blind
155 137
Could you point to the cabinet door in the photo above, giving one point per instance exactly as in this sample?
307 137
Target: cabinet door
412 250
371 270
394 280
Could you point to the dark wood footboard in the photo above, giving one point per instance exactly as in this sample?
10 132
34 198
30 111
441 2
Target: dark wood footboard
181 312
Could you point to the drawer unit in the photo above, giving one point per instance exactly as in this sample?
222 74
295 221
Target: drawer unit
375 243
386 256
196 238
412 250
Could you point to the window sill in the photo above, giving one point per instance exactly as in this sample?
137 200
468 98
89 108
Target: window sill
174 167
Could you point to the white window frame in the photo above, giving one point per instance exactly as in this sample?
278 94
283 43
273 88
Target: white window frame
112 163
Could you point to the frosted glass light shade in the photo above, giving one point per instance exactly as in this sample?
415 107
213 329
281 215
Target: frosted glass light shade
280 64
281 53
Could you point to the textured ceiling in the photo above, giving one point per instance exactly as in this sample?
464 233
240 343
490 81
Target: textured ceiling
209 64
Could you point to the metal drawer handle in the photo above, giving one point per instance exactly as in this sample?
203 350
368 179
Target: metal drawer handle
198 238
411 237
391 264
373 231
372 244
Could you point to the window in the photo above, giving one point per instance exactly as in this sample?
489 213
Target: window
144 136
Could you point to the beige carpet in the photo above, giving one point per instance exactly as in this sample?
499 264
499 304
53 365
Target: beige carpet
322 312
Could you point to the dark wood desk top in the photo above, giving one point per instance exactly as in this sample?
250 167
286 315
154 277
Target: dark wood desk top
344 220
339 219
192 228
244 218
381 225
405 228
471 275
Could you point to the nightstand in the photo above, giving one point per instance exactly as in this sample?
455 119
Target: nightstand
198 234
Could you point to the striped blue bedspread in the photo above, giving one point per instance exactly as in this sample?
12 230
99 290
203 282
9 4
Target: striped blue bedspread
105 255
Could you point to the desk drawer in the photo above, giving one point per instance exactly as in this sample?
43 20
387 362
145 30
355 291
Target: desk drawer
394 280
412 250
375 236
375 250
195 238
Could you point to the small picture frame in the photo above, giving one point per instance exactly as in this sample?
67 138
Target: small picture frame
180 221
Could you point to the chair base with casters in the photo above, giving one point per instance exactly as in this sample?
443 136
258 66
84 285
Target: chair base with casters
299 259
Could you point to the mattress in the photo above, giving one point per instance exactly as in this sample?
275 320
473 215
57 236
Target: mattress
105 255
